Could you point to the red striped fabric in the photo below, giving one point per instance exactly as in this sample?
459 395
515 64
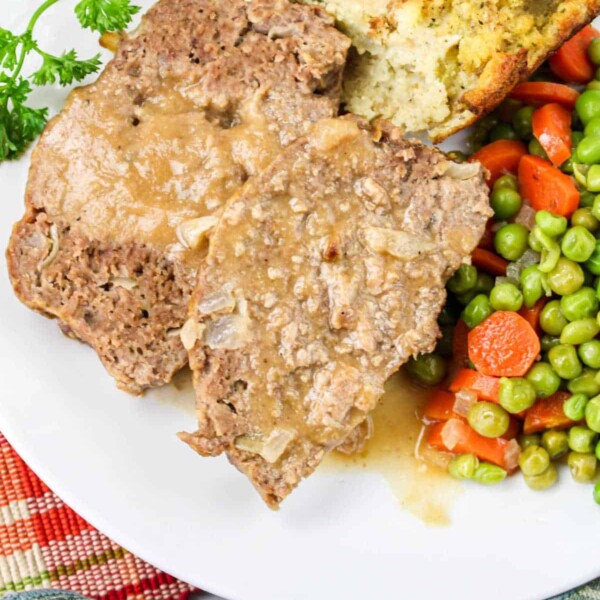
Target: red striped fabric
44 544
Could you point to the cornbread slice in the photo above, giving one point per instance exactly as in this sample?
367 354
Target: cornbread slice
324 275
438 65
126 183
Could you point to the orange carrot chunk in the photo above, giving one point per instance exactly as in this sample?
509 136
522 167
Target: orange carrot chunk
546 187
500 157
532 315
440 406
504 345
548 413
456 436
489 262
538 93
484 386
570 62
552 128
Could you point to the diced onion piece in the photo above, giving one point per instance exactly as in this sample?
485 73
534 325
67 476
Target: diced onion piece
53 248
221 301
270 448
464 170
526 216
192 232
512 454
190 333
451 433
125 282
463 401
397 243
228 333
501 279
529 258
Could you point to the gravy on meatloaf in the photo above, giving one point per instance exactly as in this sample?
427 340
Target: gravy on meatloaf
324 274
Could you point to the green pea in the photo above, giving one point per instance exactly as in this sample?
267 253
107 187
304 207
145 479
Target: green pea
578 244
488 419
564 361
507 181
549 341
534 460
463 466
589 353
579 332
588 150
574 407
541 241
593 262
585 384
552 320
593 85
544 380
593 51
597 451
582 466
521 121
556 443
511 241
592 181
586 199
543 481
503 131
429 369
505 203
592 128
477 311
588 106
566 278
489 474
506 296
582 439
597 492
568 165
534 285
582 304
536 148
531 439
551 224
584 217
592 414
516 394
484 285
463 280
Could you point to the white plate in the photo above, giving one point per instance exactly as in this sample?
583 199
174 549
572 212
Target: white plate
115 459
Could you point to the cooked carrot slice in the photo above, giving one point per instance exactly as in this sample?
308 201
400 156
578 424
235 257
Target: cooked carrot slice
538 93
500 157
466 440
552 128
440 406
548 413
504 345
489 262
546 187
484 386
532 315
570 62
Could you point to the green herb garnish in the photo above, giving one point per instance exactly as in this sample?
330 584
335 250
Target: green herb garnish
21 124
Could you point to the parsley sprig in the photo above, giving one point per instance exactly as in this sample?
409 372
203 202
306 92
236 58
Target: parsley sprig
20 124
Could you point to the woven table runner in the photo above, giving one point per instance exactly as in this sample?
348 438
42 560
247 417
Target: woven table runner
44 544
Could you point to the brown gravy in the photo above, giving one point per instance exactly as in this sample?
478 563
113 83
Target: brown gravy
416 475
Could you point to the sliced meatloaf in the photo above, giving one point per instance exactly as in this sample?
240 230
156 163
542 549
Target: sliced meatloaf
324 274
126 181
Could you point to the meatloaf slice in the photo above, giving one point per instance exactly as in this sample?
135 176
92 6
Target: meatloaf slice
127 180
325 274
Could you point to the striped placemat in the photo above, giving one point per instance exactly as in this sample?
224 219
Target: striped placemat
44 544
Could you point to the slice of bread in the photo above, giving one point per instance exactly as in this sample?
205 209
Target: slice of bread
438 65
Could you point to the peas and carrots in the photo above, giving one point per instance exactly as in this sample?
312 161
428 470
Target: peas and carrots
523 391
